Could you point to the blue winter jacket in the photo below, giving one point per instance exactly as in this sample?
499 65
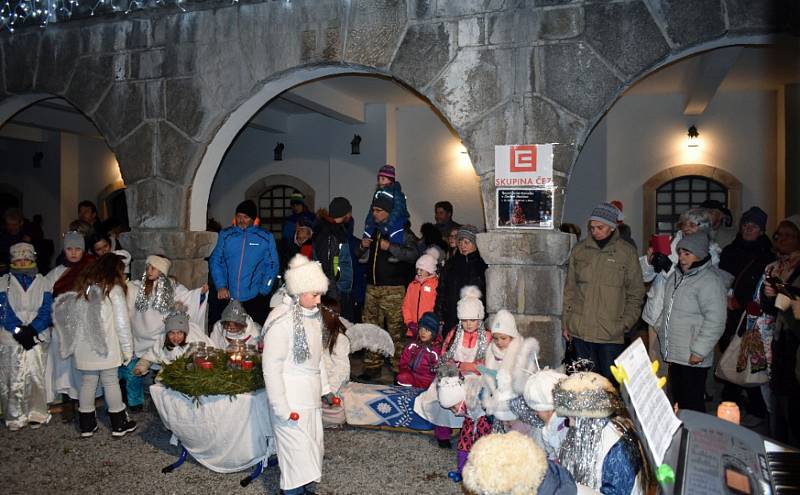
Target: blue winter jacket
245 262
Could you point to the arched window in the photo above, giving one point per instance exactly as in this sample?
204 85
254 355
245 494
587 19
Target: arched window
273 208
680 194
272 195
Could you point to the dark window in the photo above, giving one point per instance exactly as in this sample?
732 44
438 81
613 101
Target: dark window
273 208
678 195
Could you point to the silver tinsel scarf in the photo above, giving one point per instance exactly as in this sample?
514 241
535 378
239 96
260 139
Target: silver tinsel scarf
580 450
482 343
161 297
300 349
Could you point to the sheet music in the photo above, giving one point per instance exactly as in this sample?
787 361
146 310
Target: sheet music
655 414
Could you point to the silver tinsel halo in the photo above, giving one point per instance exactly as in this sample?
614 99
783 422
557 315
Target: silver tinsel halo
587 395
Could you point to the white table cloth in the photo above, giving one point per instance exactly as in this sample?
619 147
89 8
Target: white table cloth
224 434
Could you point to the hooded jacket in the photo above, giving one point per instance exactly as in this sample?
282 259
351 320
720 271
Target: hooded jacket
693 317
419 299
244 261
604 290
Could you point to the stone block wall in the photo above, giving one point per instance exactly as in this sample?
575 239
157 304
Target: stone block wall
526 277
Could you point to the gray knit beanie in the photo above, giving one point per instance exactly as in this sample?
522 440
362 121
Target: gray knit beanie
74 239
696 243
606 213
469 232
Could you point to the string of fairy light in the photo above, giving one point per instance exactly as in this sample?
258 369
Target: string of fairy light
17 13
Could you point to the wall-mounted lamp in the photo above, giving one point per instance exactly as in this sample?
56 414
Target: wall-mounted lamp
279 151
693 141
355 145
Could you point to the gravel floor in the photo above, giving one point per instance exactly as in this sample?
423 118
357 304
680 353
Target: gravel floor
54 459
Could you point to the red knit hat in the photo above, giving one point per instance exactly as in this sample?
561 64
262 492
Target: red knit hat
387 171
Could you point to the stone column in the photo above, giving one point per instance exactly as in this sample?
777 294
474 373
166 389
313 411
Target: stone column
526 276
186 249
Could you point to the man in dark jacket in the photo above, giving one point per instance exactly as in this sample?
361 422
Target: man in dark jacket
466 267
389 268
332 250
244 263
443 215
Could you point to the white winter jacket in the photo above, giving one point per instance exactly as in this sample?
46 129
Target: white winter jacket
116 325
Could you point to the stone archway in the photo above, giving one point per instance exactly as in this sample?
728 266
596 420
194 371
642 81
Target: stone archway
161 86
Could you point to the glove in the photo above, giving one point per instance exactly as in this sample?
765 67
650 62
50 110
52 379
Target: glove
126 358
661 263
26 336
142 367
412 330
328 399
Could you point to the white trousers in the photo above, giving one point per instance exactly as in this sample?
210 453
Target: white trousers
110 381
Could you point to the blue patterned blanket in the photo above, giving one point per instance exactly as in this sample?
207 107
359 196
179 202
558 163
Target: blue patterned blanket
382 405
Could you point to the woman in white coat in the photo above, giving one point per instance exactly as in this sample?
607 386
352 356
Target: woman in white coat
95 329
295 376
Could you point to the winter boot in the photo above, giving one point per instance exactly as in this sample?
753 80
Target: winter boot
120 424
88 424
67 409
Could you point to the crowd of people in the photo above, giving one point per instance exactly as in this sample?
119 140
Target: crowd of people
707 291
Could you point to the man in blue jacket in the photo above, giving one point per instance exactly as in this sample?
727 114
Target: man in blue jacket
245 262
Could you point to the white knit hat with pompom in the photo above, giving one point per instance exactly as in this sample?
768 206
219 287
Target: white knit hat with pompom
470 306
304 275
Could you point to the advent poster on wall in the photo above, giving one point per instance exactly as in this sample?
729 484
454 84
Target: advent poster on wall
524 208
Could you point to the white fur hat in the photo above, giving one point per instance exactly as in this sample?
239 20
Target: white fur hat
426 262
470 306
22 251
585 395
539 389
506 463
159 263
304 275
450 390
504 322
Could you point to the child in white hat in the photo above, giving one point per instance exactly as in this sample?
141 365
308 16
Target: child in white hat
25 316
462 397
465 348
539 397
420 295
500 359
295 375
